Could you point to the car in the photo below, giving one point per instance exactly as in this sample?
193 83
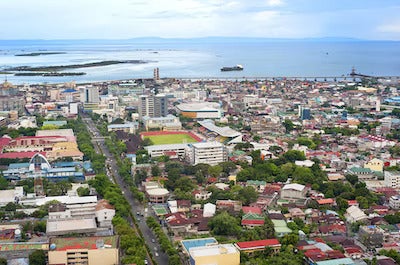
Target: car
137 213
156 254
153 240
146 262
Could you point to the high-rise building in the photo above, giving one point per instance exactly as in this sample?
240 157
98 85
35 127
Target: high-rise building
156 74
305 113
210 153
90 94
153 106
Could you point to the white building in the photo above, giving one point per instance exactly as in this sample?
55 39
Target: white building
293 191
168 123
7 196
153 105
171 150
90 94
104 213
209 210
130 127
392 179
394 202
210 153
354 214
200 110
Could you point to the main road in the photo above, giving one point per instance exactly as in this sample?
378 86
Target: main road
159 256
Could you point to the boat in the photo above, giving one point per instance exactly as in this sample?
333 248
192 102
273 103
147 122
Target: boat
238 67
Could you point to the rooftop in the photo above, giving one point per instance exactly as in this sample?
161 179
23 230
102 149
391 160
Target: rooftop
200 242
62 244
213 250
258 244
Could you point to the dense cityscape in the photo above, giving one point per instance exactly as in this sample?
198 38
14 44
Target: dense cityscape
180 171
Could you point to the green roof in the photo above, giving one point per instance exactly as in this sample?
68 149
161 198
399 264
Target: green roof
256 182
160 209
56 123
342 261
22 246
280 227
252 216
360 170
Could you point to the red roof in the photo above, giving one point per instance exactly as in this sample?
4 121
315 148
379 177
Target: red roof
252 222
14 155
258 244
325 201
249 209
4 141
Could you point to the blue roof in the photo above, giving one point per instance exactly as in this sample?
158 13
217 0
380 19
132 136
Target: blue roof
343 261
66 164
18 165
200 242
62 169
69 90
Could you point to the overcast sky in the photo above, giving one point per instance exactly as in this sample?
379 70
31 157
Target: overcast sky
123 19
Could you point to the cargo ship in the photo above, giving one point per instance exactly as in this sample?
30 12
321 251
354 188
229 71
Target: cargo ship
238 67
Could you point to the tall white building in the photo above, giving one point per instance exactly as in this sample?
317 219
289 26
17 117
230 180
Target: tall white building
392 179
153 106
90 94
210 153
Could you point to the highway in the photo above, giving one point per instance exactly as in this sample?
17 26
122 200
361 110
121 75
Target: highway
159 256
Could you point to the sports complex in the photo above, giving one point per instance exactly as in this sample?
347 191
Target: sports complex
170 137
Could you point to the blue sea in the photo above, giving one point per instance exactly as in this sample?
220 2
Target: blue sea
204 58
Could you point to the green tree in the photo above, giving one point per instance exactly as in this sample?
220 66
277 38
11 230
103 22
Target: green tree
155 171
38 257
3 261
294 155
10 207
224 224
247 195
363 202
288 124
215 171
83 191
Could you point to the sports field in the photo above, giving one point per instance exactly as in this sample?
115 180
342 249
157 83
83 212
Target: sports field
171 139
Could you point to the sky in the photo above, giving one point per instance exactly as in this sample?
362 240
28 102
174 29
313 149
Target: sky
124 19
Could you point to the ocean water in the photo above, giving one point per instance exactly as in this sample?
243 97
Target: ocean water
202 59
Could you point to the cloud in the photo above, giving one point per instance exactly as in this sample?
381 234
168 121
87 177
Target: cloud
393 27
275 2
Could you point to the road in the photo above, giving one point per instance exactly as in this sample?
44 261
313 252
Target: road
151 241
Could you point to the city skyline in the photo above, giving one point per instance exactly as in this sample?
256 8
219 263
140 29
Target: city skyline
125 19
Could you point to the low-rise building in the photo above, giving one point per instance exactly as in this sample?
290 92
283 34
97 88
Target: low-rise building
394 202
225 254
84 250
258 245
392 179
293 191
371 236
354 214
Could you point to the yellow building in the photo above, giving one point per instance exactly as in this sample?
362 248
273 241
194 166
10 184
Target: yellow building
374 164
226 254
84 250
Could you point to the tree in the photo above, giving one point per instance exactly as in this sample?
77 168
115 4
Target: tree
3 261
38 257
10 207
247 195
288 124
155 171
83 191
353 179
293 155
224 224
362 201
215 171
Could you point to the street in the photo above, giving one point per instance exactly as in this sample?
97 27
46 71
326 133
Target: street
161 258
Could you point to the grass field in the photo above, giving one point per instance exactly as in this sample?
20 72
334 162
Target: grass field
171 139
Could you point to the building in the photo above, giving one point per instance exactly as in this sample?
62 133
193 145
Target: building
392 179
84 250
371 236
221 134
305 114
167 123
374 164
130 127
258 245
7 196
225 254
210 153
354 214
171 150
153 106
156 73
293 191
394 202
155 193
90 94
83 218
200 110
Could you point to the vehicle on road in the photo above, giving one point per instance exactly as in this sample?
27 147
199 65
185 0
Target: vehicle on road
156 254
146 262
153 240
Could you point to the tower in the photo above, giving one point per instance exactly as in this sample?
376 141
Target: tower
156 74
153 105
